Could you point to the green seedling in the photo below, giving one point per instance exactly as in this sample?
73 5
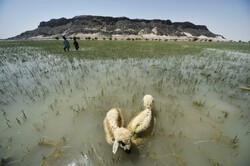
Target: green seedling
24 115
212 162
235 142
225 113
10 139
18 121
4 113
199 103
8 124
6 119
40 141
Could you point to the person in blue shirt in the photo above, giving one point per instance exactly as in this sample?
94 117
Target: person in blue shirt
65 44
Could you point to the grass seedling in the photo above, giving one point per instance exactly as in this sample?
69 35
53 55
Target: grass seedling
102 93
115 158
8 124
172 134
51 107
82 153
64 138
181 133
40 141
225 113
24 115
199 103
235 142
133 98
6 119
18 121
10 139
4 113
212 162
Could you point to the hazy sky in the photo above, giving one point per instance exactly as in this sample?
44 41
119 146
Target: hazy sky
229 18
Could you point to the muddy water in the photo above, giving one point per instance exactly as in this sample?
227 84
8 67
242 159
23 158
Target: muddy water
52 108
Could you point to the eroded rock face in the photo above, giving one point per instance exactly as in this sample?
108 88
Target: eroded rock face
54 22
114 26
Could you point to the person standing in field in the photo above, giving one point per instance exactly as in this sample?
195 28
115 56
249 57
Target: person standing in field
76 44
65 44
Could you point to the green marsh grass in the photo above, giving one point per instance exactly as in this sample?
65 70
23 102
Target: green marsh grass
128 49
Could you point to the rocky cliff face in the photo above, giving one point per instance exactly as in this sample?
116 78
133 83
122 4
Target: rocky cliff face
116 27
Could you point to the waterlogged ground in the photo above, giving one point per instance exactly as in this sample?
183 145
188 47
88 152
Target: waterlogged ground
52 108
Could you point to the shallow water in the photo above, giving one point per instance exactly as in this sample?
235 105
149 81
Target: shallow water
52 108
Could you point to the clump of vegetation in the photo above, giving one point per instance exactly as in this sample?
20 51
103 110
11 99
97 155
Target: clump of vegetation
195 39
212 162
225 113
235 142
199 103
24 117
87 38
207 75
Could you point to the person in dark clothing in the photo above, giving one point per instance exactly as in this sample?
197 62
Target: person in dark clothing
76 44
65 44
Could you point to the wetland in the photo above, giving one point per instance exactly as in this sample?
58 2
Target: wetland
52 103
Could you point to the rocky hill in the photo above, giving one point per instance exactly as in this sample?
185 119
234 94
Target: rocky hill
100 27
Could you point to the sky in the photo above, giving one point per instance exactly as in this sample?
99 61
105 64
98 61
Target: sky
229 18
